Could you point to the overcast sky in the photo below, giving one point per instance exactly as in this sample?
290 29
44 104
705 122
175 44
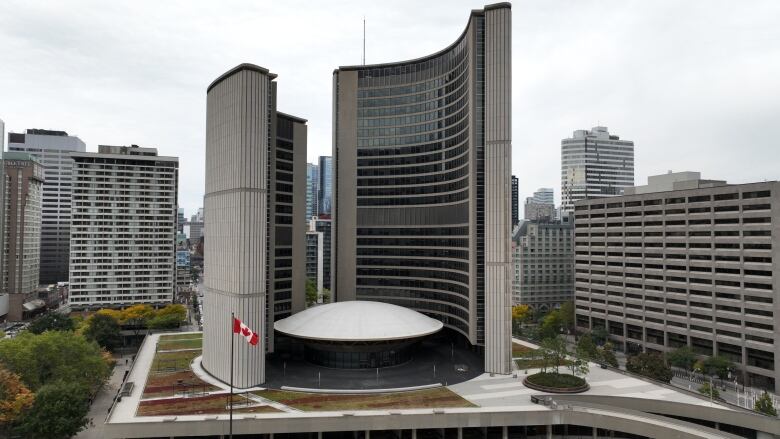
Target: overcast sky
696 84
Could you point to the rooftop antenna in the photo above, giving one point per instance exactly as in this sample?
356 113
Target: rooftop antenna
364 40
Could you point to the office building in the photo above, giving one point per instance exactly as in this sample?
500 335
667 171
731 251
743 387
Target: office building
196 227
254 210
543 255
594 164
325 187
534 210
20 240
123 234
515 202
544 195
684 262
324 225
312 190
314 257
53 149
422 214
181 221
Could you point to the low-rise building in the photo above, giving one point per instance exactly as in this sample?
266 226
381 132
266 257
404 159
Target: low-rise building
685 262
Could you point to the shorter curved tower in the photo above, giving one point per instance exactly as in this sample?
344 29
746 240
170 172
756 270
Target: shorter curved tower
254 225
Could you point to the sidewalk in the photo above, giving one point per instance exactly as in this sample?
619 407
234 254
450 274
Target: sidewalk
102 403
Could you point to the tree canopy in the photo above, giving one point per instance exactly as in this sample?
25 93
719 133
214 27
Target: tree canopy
104 330
651 365
40 359
311 292
15 397
764 405
52 321
682 357
59 412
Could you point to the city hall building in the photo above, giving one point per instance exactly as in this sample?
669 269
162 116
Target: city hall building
422 198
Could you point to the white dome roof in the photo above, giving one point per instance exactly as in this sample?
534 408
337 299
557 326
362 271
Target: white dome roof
358 320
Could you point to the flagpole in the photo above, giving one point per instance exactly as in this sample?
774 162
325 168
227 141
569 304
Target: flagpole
232 323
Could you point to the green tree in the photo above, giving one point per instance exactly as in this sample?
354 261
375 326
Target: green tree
586 348
607 353
682 357
104 330
59 411
551 325
166 321
599 335
764 405
54 356
718 365
311 292
566 314
651 365
325 295
710 391
554 352
52 321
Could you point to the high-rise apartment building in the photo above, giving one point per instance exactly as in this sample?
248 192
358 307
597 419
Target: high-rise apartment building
323 224
123 233
181 221
315 246
534 210
685 262
255 230
325 187
53 149
312 190
594 164
515 202
20 233
543 255
422 197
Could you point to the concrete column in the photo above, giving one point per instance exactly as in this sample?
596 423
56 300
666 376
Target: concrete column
368 434
505 432
414 434
549 431
460 433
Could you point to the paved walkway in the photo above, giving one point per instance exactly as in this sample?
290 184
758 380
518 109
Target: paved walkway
104 398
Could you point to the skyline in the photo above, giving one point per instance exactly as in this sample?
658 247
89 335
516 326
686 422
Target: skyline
653 73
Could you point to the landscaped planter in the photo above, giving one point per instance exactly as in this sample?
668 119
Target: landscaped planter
555 383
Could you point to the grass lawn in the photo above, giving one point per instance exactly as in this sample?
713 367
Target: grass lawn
519 350
211 404
162 384
440 397
183 343
169 337
178 360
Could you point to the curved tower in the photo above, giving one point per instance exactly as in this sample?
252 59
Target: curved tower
254 224
422 153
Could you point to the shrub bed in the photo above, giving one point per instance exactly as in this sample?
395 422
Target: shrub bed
556 383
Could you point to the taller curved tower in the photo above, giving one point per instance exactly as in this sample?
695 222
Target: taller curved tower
422 197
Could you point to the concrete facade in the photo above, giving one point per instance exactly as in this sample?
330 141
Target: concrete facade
594 164
315 245
53 149
422 213
123 232
695 267
20 231
254 219
544 264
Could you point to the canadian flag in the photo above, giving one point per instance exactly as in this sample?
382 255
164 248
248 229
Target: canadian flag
240 328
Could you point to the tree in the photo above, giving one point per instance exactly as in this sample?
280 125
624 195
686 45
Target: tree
651 365
520 315
710 391
167 321
54 356
566 313
718 365
551 325
60 411
607 353
104 330
52 321
176 310
137 315
15 397
586 348
311 292
113 313
599 335
682 357
764 405
554 352
325 295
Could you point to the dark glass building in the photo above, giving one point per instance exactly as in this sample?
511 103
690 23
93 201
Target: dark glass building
422 215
